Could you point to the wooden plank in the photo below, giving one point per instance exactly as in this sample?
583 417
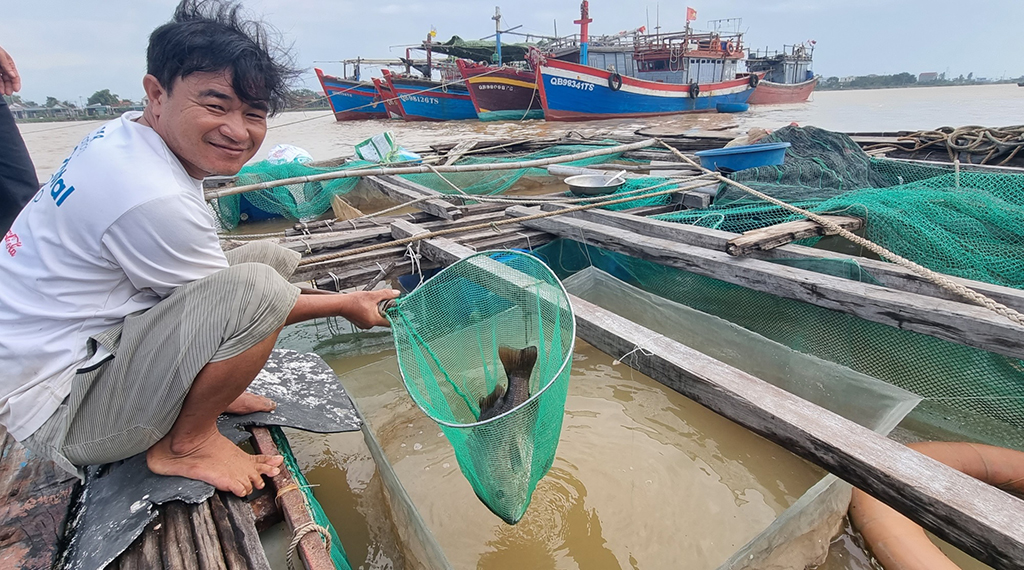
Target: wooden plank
435 206
151 536
208 550
771 237
233 557
178 545
458 151
311 546
969 325
889 274
245 532
975 517
34 499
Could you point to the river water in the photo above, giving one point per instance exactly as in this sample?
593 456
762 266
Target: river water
848 111
639 467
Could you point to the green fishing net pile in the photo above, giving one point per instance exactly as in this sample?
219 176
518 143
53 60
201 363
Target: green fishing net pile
967 224
303 201
447 333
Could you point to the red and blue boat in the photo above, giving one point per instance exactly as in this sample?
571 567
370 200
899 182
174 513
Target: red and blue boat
502 93
427 100
352 100
574 92
654 74
388 97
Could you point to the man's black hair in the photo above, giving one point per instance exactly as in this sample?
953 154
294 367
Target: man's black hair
212 36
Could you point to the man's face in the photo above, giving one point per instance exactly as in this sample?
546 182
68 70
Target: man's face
205 124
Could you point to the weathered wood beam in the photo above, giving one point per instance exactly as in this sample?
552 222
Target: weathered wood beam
435 206
771 237
949 320
976 517
888 274
311 546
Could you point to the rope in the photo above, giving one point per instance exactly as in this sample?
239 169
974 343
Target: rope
303 530
988 142
936 278
696 183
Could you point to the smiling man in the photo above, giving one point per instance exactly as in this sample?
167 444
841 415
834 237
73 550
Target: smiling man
124 328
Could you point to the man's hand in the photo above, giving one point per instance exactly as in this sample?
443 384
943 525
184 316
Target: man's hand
10 81
363 311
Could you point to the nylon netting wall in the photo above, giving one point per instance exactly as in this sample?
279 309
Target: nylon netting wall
959 376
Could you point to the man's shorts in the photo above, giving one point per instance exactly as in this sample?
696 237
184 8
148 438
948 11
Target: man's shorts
124 405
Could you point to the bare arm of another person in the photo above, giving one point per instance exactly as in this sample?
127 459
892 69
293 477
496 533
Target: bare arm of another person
10 81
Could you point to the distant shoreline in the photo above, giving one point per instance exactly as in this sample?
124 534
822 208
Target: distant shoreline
820 86
112 117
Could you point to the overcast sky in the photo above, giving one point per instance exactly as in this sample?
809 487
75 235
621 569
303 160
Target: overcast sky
72 48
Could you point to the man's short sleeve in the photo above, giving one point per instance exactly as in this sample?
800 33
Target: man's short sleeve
164 243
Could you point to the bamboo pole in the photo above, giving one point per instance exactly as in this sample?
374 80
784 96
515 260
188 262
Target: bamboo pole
385 170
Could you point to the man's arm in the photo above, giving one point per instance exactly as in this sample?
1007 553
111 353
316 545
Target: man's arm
359 308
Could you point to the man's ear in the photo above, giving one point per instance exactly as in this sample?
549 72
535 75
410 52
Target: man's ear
155 92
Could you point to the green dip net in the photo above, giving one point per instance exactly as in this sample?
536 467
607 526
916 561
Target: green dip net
447 335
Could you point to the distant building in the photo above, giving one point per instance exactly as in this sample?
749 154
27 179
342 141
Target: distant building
928 76
847 79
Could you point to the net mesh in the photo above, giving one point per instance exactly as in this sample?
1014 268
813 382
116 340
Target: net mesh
447 335
967 224
301 202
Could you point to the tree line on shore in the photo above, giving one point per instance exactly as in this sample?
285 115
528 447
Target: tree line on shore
103 104
903 80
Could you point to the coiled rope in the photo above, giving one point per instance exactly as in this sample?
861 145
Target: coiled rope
987 142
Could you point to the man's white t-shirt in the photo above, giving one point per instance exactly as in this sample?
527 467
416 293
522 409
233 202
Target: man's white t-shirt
117 228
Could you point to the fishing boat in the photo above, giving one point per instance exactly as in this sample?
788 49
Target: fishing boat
351 99
787 74
653 74
423 99
502 93
388 97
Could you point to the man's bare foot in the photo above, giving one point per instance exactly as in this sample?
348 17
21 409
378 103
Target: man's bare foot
249 403
214 460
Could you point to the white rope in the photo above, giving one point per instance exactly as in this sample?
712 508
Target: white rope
303 530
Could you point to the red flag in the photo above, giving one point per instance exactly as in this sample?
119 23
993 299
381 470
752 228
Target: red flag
691 14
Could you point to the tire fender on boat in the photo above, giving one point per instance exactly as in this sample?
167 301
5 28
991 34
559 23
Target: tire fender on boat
899 543
614 81
754 79
694 90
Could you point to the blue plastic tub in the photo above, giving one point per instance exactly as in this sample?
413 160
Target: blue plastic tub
732 107
743 157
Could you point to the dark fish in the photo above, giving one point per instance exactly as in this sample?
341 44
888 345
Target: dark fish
518 366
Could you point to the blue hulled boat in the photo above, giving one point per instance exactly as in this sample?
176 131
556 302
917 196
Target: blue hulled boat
352 100
428 100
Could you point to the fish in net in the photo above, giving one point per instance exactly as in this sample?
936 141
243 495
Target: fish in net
485 350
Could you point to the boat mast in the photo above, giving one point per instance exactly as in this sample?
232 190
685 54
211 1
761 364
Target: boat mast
497 33
584 23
